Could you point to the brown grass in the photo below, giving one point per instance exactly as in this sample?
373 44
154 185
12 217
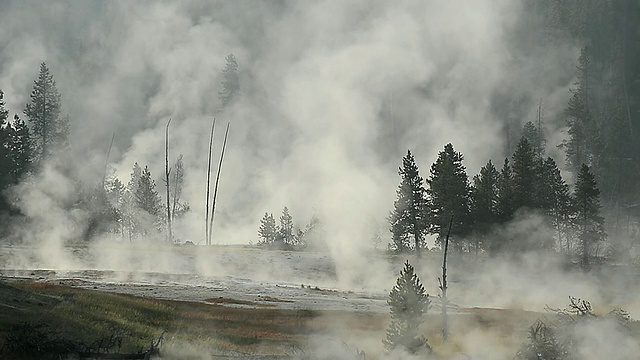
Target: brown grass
225 325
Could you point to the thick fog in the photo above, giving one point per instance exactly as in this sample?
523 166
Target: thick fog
333 93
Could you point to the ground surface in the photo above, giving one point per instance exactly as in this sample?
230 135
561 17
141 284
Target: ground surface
238 301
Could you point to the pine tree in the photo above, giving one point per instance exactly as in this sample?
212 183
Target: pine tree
534 136
285 231
20 149
587 213
129 208
484 201
580 117
178 209
409 218
148 201
449 195
557 201
231 82
525 175
506 206
268 230
409 303
49 130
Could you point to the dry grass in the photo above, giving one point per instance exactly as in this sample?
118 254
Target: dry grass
231 326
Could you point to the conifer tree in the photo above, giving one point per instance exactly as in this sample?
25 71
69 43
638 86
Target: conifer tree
285 231
268 231
525 175
409 303
48 129
449 195
557 200
148 201
484 201
409 218
506 206
231 81
587 213
20 149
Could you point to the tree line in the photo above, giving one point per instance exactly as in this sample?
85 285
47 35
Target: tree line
133 211
285 236
525 185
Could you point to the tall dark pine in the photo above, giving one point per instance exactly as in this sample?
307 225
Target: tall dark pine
409 218
558 200
580 118
525 174
484 201
409 303
587 213
449 195
230 82
48 129
506 206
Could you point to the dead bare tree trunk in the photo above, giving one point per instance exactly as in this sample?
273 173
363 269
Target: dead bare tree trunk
443 286
215 189
106 162
166 173
206 217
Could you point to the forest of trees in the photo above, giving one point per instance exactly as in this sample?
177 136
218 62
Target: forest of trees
132 211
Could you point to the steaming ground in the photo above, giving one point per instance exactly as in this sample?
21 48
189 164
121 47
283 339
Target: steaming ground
309 280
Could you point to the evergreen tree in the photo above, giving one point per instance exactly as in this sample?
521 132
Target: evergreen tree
580 117
148 201
506 202
48 129
449 195
409 218
525 175
285 231
116 195
535 138
268 230
409 303
231 81
20 149
129 208
587 213
484 201
178 209
557 200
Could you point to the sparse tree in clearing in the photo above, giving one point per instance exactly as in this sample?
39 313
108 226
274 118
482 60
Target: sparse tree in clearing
231 82
48 129
285 231
409 218
409 303
587 215
268 231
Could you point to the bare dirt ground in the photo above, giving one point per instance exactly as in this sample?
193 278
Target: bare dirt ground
253 277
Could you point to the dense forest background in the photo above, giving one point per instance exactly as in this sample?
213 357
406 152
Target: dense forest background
320 120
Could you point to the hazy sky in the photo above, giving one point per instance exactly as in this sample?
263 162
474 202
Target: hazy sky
333 94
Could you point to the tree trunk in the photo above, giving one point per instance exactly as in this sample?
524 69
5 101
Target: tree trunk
166 173
215 189
206 218
443 286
